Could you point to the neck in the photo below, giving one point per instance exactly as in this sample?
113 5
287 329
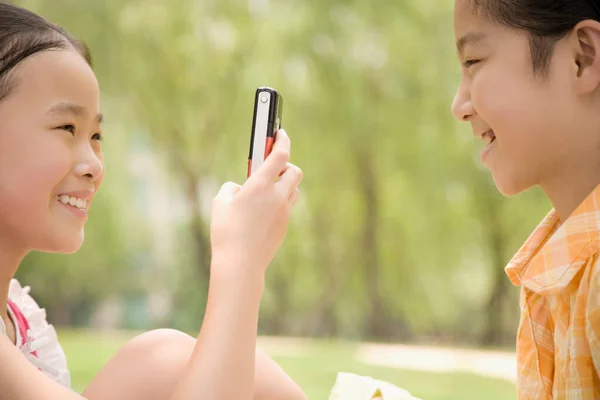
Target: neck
570 185
9 263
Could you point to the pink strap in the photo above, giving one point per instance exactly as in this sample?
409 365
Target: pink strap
21 321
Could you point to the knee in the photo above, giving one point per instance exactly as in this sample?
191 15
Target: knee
148 367
169 348
160 357
165 353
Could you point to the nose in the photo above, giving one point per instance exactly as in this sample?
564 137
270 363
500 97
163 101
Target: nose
90 164
462 106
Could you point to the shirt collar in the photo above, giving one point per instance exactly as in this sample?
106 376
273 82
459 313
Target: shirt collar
554 253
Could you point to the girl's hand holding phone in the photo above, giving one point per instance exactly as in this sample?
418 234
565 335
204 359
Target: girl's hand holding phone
249 222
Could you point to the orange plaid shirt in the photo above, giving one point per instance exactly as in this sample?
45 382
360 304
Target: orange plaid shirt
558 341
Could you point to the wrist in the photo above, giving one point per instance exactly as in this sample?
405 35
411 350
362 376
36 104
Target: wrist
229 274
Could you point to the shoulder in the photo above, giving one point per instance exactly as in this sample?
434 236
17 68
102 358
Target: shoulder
41 345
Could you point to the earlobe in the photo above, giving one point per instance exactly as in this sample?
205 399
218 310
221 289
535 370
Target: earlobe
587 55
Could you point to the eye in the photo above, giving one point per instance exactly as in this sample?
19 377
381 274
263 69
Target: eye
469 63
98 137
68 128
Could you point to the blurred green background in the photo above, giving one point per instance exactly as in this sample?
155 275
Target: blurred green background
400 235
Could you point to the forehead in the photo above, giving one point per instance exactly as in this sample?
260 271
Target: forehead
467 20
53 76
471 28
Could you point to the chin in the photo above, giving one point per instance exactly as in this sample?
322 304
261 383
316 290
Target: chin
66 245
509 185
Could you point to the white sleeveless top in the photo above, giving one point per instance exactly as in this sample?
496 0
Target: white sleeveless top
40 346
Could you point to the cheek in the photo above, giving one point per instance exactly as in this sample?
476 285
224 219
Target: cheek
520 113
498 98
515 108
30 169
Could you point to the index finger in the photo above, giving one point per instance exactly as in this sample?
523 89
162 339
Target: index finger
227 192
279 157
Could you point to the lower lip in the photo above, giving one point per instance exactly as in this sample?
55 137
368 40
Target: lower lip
81 213
485 152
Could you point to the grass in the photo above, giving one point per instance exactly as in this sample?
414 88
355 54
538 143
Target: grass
315 370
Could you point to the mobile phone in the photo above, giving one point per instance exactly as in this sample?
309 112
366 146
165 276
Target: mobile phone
266 121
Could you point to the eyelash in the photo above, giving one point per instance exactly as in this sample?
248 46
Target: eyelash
71 128
470 63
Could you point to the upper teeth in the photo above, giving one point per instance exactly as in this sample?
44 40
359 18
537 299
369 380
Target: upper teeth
73 201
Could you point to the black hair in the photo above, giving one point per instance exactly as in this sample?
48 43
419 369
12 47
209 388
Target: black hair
23 34
546 21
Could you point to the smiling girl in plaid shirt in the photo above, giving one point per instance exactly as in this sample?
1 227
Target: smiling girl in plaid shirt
531 90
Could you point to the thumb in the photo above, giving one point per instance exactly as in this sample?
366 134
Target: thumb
227 192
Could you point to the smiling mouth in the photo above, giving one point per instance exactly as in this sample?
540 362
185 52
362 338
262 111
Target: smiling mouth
72 201
488 137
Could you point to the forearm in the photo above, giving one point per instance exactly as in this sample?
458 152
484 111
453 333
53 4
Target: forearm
248 224
20 380
222 364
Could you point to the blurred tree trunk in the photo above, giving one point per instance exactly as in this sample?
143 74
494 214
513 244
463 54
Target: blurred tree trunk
322 319
493 333
377 325
490 209
276 324
190 177
198 228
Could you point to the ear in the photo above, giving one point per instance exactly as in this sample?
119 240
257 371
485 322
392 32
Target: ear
586 36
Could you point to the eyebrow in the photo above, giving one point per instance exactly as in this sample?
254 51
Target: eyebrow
70 108
469 38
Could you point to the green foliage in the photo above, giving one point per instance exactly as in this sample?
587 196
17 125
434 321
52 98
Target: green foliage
399 233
